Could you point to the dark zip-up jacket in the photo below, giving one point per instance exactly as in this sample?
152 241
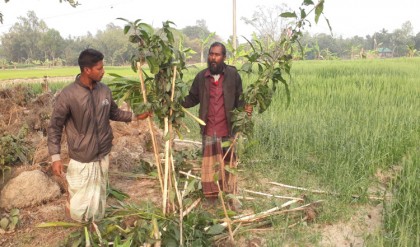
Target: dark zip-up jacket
200 94
85 114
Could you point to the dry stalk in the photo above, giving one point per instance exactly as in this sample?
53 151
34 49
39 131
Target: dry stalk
191 207
252 216
189 175
227 219
270 195
246 198
302 189
179 197
264 214
152 134
322 191
189 142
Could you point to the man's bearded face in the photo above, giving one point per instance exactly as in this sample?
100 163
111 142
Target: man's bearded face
215 60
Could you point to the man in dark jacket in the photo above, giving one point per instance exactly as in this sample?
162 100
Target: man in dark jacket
217 89
85 108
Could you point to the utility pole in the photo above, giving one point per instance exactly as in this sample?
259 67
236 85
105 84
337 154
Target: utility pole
234 25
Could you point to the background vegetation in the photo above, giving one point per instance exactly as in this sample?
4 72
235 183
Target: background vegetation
30 42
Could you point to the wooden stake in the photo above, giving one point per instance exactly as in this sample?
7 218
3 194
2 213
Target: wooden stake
152 134
165 181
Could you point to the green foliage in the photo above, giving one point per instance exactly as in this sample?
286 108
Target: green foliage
135 225
271 67
159 51
9 221
402 215
14 148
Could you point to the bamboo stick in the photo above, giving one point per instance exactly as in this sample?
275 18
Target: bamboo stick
270 195
227 219
166 174
152 134
178 194
179 197
189 175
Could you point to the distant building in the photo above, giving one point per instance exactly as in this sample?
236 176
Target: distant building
384 52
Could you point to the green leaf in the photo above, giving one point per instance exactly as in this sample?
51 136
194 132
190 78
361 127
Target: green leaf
288 15
14 212
4 222
118 194
153 64
13 223
308 2
87 237
215 229
216 177
226 144
302 14
59 224
318 10
127 28
232 170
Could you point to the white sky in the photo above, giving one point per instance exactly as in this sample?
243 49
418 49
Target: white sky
347 17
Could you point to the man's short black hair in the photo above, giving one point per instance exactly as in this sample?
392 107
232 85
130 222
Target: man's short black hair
89 58
219 44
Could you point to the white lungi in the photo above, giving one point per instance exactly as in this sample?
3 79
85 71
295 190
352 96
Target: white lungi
87 189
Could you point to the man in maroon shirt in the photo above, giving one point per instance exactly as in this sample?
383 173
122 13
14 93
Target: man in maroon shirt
217 89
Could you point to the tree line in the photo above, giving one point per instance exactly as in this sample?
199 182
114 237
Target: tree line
31 42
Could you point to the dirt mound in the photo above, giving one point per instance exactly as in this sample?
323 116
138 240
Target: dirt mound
20 109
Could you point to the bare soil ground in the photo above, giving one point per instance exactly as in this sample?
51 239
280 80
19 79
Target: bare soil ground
131 143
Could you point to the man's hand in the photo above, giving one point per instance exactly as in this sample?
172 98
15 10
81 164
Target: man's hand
57 168
144 115
248 109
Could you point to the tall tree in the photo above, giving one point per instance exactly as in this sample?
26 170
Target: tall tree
113 44
52 44
21 43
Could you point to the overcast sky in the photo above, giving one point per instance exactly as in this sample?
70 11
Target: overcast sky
347 17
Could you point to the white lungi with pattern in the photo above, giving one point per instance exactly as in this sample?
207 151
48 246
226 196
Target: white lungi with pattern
87 184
